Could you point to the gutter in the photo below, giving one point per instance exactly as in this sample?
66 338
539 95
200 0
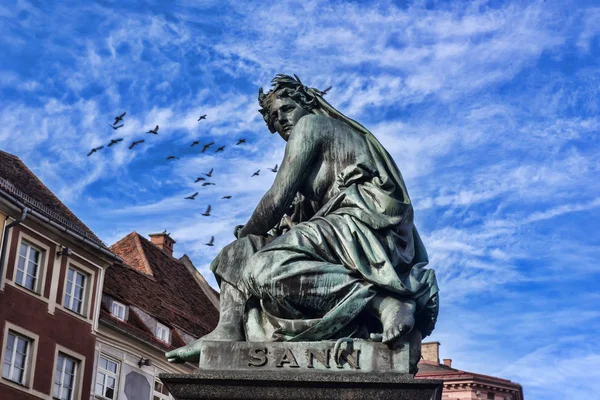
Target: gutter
60 227
24 211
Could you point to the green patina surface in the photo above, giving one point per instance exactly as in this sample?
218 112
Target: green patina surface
331 250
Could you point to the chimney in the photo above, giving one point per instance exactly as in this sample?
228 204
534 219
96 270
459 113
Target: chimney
163 241
431 352
448 362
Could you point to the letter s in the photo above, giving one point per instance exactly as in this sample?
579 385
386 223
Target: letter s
258 357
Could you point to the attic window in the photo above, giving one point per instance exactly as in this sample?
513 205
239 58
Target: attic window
163 333
118 310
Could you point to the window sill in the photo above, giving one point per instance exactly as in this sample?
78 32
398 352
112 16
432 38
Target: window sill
100 397
15 383
23 388
73 313
28 291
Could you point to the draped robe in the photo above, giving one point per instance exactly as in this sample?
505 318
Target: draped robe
315 281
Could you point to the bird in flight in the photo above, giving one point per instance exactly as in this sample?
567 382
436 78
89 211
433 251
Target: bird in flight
241 141
209 173
199 179
274 169
154 131
133 144
257 173
119 118
324 92
206 146
208 183
195 142
212 241
95 149
226 197
220 149
172 158
192 197
115 127
202 117
115 141
207 212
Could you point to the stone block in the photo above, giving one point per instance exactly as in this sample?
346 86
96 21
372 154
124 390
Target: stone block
300 385
358 356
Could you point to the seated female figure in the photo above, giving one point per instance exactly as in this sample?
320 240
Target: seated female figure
350 262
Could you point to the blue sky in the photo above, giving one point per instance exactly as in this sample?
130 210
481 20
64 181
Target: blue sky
490 109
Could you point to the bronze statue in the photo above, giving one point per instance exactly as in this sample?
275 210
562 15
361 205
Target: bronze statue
331 250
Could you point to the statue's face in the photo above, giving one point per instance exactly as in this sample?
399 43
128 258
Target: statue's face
285 113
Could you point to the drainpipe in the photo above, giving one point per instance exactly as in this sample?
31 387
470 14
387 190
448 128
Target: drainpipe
24 212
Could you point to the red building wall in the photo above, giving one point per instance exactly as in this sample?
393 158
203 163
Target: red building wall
30 311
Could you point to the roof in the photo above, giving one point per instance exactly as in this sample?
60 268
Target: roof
211 293
160 285
432 370
18 181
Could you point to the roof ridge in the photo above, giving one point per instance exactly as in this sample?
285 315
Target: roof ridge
138 244
171 257
10 155
122 239
43 207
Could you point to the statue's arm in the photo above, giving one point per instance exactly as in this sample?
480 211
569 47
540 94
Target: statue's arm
300 151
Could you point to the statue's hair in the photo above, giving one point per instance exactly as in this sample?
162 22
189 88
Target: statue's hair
287 86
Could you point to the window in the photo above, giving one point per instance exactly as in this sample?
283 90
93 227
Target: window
163 333
490 395
118 310
16 358
75 291
107 378
160 391
64 377
28 266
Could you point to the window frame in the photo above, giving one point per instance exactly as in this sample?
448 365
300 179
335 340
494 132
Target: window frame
14 353
159 327
69 305
43 266
105 372
118 305
160 395
30 360
90 276
79 370
25 272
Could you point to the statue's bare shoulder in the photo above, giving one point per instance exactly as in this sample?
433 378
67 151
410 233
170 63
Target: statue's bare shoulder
321 129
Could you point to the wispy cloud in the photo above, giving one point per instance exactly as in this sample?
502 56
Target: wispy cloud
490 109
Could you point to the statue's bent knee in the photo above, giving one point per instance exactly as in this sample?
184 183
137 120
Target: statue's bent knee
257 276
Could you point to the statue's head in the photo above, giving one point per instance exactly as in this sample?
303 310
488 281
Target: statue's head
287 102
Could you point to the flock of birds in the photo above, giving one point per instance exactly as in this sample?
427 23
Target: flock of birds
119 119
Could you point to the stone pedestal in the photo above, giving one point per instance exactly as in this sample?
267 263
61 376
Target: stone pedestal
302 370
315 385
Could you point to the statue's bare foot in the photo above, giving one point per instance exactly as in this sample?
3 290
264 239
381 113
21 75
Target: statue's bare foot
397 318
191 352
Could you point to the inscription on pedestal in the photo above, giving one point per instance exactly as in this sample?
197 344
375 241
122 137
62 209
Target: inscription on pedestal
358 356
259 357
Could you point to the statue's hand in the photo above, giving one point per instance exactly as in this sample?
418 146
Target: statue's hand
236 231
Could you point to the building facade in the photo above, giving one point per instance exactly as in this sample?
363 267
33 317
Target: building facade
52 268
463 385
151 303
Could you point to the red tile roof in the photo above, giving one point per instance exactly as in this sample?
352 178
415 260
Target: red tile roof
18 181
160 285
432 370
136 328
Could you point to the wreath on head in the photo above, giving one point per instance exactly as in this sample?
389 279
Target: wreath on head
287 86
